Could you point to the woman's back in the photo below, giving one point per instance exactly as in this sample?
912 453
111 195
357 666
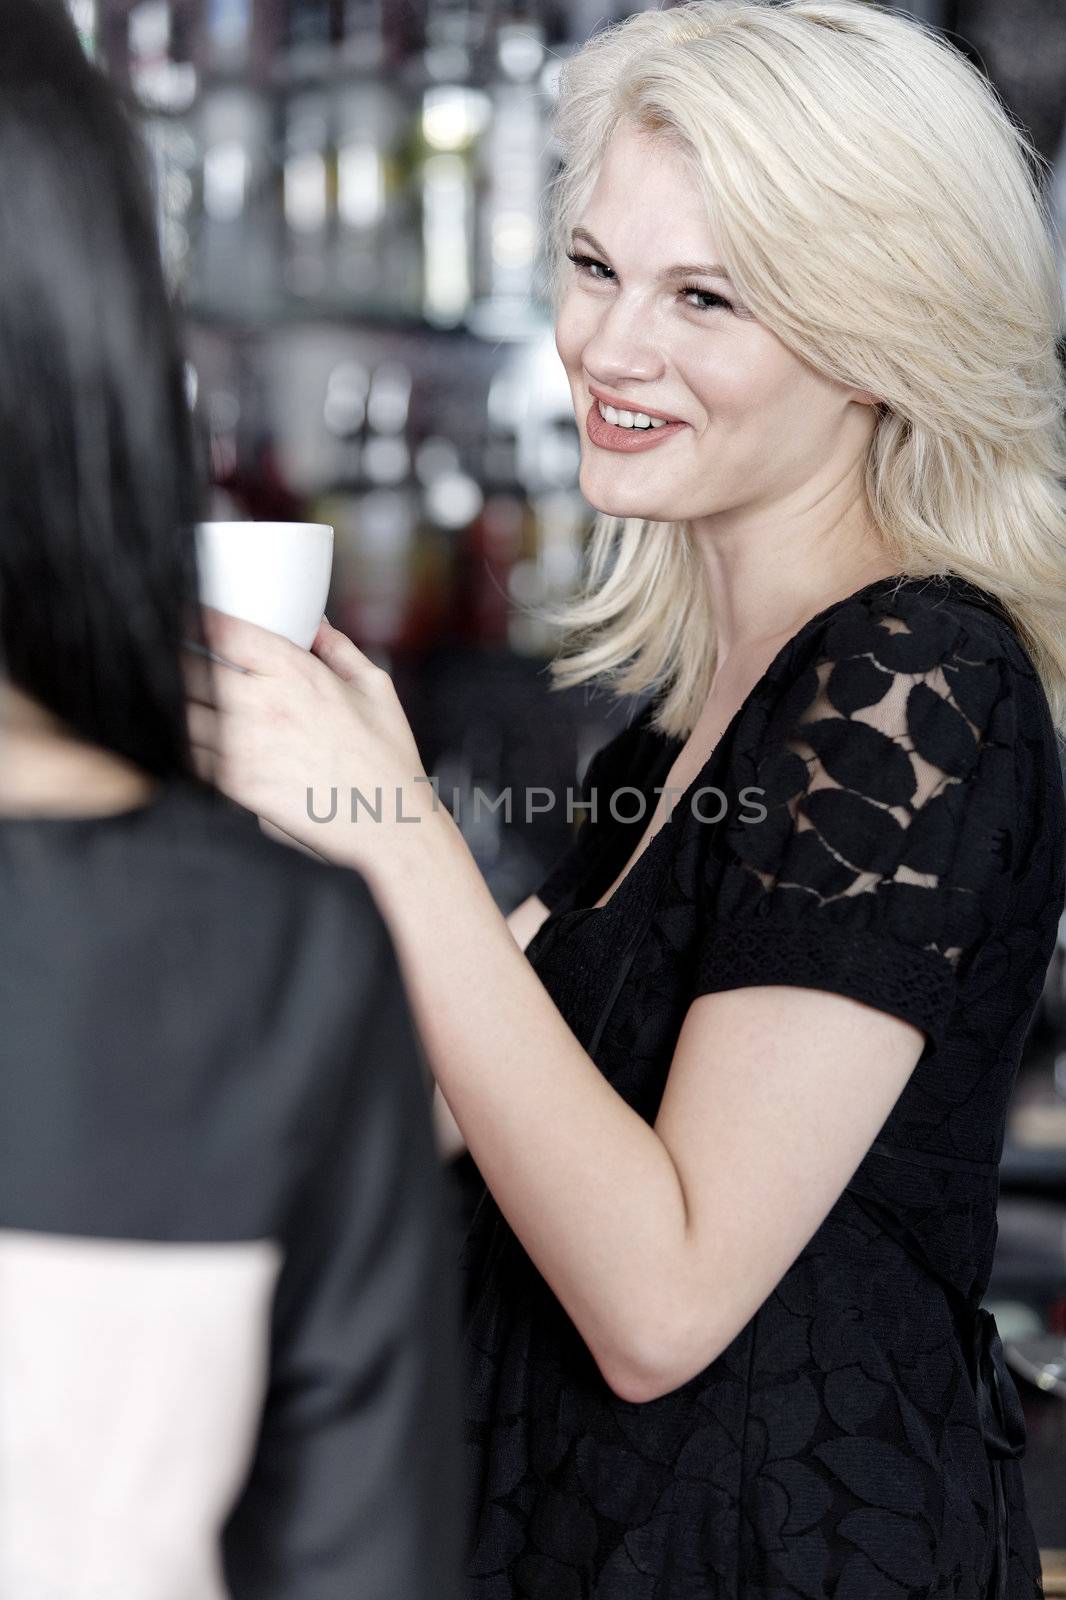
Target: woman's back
225 1330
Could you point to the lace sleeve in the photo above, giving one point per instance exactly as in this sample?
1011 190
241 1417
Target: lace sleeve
883 857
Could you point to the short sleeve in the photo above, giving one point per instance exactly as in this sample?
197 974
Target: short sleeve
357 1487
868 845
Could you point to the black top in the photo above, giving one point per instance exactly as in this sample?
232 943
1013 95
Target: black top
859 1437
220 1225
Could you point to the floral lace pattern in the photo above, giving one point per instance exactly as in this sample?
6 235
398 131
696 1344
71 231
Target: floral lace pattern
911 855
887 773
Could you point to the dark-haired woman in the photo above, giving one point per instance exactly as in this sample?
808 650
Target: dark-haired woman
226 1363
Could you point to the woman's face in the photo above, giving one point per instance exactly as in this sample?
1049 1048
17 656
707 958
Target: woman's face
645 323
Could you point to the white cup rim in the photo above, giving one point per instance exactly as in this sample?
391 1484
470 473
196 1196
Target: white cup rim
263 522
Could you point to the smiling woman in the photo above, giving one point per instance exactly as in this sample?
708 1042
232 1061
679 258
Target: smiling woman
836 565
828 299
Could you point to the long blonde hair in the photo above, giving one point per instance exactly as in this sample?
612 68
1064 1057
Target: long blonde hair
858 147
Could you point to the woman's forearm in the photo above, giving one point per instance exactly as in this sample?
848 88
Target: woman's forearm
587 1185
522 924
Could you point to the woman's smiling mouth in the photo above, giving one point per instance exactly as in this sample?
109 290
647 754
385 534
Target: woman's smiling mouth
616 427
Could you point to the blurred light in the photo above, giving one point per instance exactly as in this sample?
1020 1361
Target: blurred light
513 239
159 82
306 205
525 583
225 179
390 397
559 453
192 385
519 51
223 410
506 398
453 499
148 30
435 457
446 203
561 565
345 405
385 525
228 27
360 185
165 85
452 116
386 458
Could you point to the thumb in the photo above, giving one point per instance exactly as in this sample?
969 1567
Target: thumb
338 652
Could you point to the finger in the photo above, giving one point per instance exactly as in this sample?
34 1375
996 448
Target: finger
217 687
199 677
203 726
246 645
340 655
206 764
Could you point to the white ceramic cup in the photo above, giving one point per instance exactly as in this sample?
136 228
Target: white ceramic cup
275 574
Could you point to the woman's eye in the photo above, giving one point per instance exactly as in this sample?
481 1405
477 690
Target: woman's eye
705 300
600 272
590 266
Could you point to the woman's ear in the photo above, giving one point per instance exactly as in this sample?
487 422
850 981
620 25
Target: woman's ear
865 397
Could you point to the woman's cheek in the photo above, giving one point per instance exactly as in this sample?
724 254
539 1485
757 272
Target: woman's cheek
574 326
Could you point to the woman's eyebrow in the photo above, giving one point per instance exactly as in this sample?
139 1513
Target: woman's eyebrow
687 270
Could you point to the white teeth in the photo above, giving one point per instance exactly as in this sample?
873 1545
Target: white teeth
629 419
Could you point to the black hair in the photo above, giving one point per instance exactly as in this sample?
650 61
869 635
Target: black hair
100 477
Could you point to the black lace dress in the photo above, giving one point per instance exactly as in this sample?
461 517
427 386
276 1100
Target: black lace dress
859 1439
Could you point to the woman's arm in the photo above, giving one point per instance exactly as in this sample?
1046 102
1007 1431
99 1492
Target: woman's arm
523 922
661 1242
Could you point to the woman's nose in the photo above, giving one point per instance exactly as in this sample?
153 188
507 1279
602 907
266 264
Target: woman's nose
621 347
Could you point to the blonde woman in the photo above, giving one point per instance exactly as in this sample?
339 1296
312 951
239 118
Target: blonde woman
739 1105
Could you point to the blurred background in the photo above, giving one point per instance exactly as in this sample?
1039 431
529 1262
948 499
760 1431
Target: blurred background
349 200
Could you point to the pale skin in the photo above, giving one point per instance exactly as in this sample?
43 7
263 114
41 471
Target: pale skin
660 1241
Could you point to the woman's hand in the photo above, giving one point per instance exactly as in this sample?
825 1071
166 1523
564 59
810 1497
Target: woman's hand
294 733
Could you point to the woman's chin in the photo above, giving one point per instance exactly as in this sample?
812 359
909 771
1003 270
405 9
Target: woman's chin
614 499
623 509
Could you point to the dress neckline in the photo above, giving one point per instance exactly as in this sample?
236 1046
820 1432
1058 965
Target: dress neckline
671 742
80 821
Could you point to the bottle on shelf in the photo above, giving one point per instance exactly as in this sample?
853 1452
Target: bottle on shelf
308 193
309 31
378 35
226 45
176 179
375 527
451 503
511 179
489 548
235 240
453 117
374 263
456 32
344 418
159 62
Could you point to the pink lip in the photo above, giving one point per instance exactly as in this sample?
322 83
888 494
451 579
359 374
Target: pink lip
628 405
608 436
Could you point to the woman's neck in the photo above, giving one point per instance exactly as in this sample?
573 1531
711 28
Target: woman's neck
45 770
